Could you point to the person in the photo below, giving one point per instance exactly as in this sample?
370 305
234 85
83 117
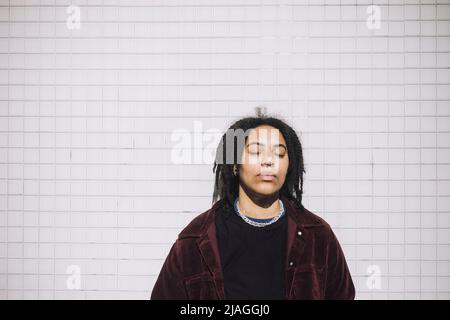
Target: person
257 241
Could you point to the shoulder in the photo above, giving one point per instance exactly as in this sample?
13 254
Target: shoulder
314 219
306 219
200 223
322 227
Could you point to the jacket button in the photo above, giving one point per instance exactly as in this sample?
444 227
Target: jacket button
291 263
299 233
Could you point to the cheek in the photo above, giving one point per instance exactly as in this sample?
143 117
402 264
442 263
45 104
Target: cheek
249 170
250 163
250 160
284 165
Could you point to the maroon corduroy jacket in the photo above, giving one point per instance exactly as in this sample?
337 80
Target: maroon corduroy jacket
315 263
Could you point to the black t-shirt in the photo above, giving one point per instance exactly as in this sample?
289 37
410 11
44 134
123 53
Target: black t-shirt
253 258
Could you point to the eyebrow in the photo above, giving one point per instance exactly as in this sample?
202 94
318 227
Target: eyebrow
262 144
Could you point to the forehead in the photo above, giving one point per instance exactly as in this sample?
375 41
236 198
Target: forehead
266 134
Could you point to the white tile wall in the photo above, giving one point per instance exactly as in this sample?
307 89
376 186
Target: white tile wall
87 185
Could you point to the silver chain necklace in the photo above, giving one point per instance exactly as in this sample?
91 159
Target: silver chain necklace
256 223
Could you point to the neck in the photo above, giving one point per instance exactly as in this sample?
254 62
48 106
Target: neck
258 206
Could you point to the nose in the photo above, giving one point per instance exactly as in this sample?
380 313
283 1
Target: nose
267 160
270 160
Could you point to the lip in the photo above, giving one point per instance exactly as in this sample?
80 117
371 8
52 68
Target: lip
267 176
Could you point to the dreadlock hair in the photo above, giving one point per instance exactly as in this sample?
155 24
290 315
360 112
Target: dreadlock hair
226 186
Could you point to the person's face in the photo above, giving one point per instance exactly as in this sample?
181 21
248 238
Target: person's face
265 161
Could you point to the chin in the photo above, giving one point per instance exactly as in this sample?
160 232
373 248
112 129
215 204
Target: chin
266 190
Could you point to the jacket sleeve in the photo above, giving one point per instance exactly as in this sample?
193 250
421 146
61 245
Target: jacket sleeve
169 284
339 284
